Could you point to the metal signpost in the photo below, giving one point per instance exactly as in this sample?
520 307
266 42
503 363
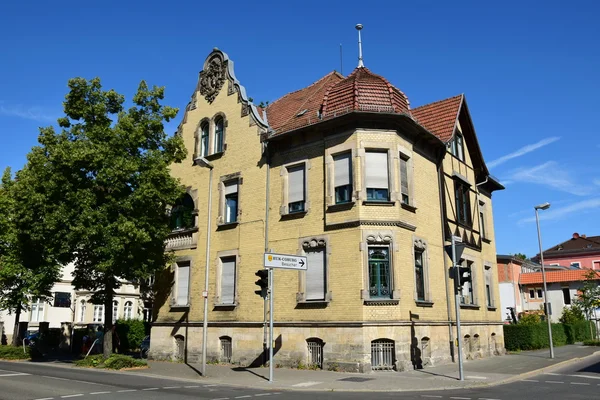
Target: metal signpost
456 269
282 261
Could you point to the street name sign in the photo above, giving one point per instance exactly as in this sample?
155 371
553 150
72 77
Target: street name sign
285 261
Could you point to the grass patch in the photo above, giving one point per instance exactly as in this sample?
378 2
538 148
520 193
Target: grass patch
14 353
591 342
115 361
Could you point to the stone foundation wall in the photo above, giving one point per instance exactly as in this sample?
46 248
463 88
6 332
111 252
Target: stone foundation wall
345 348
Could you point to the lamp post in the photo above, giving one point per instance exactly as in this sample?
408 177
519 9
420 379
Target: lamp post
544 206
204 162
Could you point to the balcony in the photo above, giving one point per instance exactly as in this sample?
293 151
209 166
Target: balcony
182 239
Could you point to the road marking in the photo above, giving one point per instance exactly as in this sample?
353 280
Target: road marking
46 398
586 376
209 385
71 380
242 397
172 387
553 381
529 380
191 387
475 377
461 398
486 398
100 393
306 384
150 389
432 396
262 394
579 383
222 398
71 395
126 390
15 374
552 373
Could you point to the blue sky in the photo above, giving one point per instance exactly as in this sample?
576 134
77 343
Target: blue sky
529 71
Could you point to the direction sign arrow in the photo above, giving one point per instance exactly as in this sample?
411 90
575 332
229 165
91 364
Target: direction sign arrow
285 261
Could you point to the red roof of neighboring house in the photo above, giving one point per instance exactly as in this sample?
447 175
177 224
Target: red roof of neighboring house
439 117
556 276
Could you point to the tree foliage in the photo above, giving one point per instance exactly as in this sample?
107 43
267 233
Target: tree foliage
572 315
107 187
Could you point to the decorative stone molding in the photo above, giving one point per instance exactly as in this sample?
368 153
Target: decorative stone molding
212 78
379 238
314 243
420 245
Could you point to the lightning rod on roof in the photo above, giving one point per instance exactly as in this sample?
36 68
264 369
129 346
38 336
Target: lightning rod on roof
360 57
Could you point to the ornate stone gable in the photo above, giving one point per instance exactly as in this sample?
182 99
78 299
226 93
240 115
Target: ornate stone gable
212 78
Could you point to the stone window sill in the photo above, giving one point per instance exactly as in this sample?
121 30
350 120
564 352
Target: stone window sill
225 306
486 240
294 215
227 225
424 303
470 306
381 302
378 203
179 306
340 206
491 308
215 156
408 207
183 230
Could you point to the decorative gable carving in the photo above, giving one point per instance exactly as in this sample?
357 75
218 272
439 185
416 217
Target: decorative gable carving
314 243
212 78
379 238
420 245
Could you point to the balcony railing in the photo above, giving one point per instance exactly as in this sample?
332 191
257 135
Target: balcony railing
182 239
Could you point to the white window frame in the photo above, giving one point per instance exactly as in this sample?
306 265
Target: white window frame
37 310
82 310
594 262
539 293
115 310
98 310
128 310
227 255
534 293
284 173
181 263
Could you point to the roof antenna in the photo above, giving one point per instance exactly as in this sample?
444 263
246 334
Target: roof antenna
341 61
360 57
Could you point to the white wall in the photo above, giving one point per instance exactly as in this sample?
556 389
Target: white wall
507 298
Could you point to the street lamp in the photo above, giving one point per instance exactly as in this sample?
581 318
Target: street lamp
544 206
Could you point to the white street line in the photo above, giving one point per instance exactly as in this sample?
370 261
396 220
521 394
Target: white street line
191 387
150 389
486 398
579 383
262 394
553 382
222 398
431 395
461 398
209 385
46 398
529 380
586 376
126 390
172 387
306 384
242 397
100 393
475 377
15 374
552 373
71 395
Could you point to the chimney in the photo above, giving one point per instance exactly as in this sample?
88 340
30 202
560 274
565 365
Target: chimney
576 235
584 236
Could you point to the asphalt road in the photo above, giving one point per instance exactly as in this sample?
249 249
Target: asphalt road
30 381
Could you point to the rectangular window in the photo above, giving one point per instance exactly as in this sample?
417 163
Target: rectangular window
532 293
376 176
457 148
404 187
98 313
419 275
466 282
315 275
462 203
342 165
576 264
539 293
596 265
182 289
37 310
228 280
482 219
231 202
296 189
62 299
566 295
379 273
489 297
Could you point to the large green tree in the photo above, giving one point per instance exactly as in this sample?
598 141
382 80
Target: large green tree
107 187
588 297
26 269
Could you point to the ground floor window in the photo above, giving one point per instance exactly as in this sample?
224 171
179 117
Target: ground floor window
383 354
226 349
315 352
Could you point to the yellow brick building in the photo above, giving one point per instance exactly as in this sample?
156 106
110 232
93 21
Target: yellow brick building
345 173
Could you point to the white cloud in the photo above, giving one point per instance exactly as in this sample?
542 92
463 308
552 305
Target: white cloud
558 213
18 111
522 151
552 175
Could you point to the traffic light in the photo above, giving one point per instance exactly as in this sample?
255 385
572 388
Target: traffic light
462 273
263 282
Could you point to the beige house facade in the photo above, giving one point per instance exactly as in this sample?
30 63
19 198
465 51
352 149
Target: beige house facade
345 173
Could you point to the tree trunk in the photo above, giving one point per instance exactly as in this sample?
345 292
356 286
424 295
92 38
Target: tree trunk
108 322
15 337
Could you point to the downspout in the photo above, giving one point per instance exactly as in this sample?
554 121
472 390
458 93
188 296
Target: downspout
446 272
267 192
207 164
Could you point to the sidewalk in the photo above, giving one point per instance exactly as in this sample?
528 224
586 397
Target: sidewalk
485 372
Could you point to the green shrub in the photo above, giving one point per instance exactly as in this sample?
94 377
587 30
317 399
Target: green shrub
91 361
580 331
119 361
532 336
571 315
131 333
591 342
14 353
530 319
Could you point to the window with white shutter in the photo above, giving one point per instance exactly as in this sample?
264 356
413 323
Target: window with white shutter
315 274
228 280
183 284
376 176
342 165
296 189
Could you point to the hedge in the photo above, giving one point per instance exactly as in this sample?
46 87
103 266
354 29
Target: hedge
532 336
131 333
580 331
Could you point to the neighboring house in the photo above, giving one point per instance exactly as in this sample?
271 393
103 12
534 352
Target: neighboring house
580 251
562 287
510 269
70 305
368 189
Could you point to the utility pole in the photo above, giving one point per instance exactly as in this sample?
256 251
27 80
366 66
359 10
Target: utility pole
457 286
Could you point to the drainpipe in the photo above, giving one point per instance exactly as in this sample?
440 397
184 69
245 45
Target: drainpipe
207 164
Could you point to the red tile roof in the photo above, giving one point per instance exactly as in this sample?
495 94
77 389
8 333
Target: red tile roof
530 278
439 117
284 113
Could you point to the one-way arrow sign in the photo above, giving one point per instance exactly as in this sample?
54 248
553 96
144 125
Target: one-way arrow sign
285 261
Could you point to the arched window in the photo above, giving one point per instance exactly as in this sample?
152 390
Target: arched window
467 344
315 352
203 139
383 354
180 347
476 343
425 349
115 310
128 310
493 345
226 349
219 130
182 213
82 307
